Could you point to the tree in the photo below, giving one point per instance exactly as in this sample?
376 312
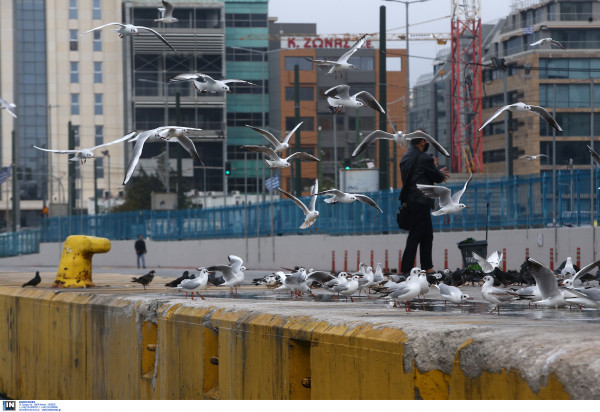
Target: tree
138 192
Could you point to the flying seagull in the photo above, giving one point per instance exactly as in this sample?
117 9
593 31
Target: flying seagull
279 146
276 161
522 107
167 133
83 154
341 64
206 84
448 203
400 138
130 30
339 97
342 197
548 40
310 212
492 262
10 107
533 157
166 13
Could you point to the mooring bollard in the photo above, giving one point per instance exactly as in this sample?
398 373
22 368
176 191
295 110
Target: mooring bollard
75 265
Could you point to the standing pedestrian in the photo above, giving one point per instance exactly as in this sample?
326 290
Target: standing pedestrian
140 250
418 166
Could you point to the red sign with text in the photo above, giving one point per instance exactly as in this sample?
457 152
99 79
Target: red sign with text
318 42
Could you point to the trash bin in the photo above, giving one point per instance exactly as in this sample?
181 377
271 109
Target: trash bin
470 245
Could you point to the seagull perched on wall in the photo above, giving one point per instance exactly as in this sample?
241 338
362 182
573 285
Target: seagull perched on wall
339 97
193 284
166 13
522 107
83 154
342 197
448 203
548 40
275 161
131 30
341 64
310 212
278 146
232 273
206 84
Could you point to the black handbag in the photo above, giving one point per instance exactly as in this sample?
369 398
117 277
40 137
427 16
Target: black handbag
403 216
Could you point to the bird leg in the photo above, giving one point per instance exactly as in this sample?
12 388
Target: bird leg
203 298
352 300
192 295
407 306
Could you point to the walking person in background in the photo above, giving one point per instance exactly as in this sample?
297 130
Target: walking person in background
417 166
140 250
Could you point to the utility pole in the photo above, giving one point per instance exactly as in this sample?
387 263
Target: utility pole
384 177
71 175
297 170
180 197
16 194
95 186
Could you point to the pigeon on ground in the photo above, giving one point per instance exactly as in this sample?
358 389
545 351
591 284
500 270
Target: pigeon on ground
35 281
145 279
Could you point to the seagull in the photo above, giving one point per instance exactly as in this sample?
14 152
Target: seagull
341 64
585 297
448 204
582 271
339 97
35 281
400 138
167 133
378 275
545 279
342 197
548 40
279 146
294 282
496 295
531 293
145 279
10 107
569 268
310 212
522 107
130 30
424 285
233 273
176 282
198 282
452 294
206 84
533 157
595 156
340 279
275 161
492 262
347 288
166 14
83 154
366 280
408 290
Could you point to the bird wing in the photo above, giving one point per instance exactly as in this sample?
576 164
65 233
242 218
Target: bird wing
321 62
302 156
422 135
313 198
377 134
341 91
168 9
262 149
289 135
238 81
57 151
319 276
335 192
434 192
500 110
187 76
540 111
188 145
368 100
157 35
368 201
140 139
126 137
359 43
525 157
586 269
540 155
502 295
296 201
495 258
9 107
103 26
236 262
558 44
485 265
544 278
224 269
595 156
456 196
268 135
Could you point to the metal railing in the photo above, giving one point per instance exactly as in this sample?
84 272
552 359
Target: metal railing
23 242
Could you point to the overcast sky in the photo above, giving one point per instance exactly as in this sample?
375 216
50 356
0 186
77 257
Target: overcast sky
362 16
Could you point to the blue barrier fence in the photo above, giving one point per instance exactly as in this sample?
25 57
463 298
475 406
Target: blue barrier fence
518 202
20 243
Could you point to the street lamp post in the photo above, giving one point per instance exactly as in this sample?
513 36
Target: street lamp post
106 153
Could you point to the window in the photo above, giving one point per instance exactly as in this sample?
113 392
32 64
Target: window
97 40
98 103
565 151
576 38
575 10
73 40
97 72
72 9
74 72
303 64
96 10
74 103
98 135
76 135
567 95
308 123
569 68
245 20
242 119
362 63
248 54
238 88
306 93
573 124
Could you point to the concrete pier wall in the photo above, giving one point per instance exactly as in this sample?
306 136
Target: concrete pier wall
84 345
313 250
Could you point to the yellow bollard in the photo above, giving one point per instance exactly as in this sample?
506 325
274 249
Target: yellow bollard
75 266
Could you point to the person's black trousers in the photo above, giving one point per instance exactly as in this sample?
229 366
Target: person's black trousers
420 235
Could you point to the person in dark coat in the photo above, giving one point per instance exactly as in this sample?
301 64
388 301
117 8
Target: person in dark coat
420 233
140 250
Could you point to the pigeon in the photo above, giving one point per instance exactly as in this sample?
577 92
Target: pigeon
522 107
130 30
279 146
166 14
548 40
232 273
176 282
166 133
198 282
448 203
35 281
533 157
452 294
83 154
342 197
310 212
206 84
145 279
400 138
495 295
339 97
10 107
489 264
271 280
275 161
341 64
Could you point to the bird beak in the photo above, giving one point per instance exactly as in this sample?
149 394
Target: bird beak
228 91
469 298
